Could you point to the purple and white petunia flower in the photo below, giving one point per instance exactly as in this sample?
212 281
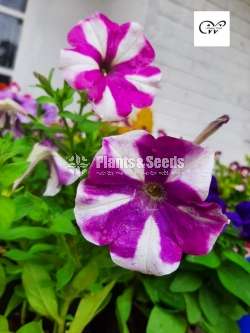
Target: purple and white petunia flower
149 214
50 115
112 63
61 172
15 108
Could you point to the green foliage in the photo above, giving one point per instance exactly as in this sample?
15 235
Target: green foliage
161 321
192 308
88 308
185 282
39 290
34 327
52 280
123 309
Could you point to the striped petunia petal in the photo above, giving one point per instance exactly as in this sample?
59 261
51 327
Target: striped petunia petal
148 222
112 63
61 172
74 63
154 253
131 44
198 162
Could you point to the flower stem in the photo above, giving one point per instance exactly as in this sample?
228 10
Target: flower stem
211 128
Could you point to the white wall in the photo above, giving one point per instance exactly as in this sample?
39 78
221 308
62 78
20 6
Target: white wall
47 24
199 83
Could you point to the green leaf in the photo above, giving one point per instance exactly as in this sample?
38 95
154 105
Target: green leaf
23 206
85 278
4 326
62 224
18 255
224 325
45 100
211 260
36 249
233 310
238 260
7 212
123 309
34 327
160 321
13 302
11 171
40 291
44 83
158 291
88 307
2 280
236 280
65 273
185 282
41 247
210 305
24 232
39 208
192 308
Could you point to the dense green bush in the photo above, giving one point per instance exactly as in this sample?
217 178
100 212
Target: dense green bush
52 280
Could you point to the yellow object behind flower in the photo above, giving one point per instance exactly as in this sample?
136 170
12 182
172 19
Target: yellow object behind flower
143 119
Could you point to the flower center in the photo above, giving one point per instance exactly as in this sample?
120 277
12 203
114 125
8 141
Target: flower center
105 68
155 191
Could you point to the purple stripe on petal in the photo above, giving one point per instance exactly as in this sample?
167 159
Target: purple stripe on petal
147 150
92 81
96 33
139 62
195 227
198 162
73 63
130 219
130 45
170 251
77 40
116 34
93 213
180 193
127 95
147 256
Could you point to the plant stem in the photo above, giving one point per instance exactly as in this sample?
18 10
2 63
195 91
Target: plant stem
23 312
211 128
64 311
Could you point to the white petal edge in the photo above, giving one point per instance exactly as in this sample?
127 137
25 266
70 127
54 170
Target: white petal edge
74 173
96 34
100 205
38 153
53 186
147 256
197 171
146 84
106 108
10 106
123 146
130 45
73 63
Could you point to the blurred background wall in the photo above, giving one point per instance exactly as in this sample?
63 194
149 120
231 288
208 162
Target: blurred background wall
199 84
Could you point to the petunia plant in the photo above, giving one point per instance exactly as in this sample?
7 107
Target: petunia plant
103 226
